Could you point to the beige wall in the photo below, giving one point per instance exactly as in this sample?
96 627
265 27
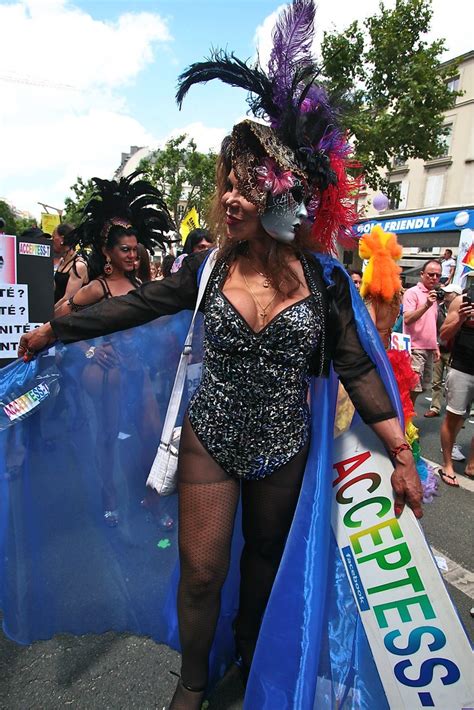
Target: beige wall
443 182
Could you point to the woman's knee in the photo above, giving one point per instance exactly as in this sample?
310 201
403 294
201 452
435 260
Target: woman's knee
201 581
267 547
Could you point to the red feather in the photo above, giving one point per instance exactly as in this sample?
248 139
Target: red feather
337 212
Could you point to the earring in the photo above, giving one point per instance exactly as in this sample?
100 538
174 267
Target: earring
108 268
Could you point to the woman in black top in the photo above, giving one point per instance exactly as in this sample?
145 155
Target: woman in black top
71 271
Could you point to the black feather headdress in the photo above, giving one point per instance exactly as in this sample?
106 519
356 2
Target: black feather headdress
303 135
128 202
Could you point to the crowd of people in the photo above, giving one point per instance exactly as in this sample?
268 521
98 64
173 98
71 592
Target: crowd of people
438 316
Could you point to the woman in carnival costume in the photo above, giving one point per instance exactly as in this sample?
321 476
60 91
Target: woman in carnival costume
277 315
381 289
381 286
120 218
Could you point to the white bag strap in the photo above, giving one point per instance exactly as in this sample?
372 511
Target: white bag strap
180 378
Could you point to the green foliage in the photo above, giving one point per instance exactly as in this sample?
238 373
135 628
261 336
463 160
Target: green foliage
7 214
73 206
23 223
13 224
392 86
185 176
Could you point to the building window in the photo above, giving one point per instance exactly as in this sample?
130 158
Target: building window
398 195
446 141
453 84
395 191
398 161
434 190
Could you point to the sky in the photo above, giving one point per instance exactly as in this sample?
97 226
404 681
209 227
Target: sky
83 80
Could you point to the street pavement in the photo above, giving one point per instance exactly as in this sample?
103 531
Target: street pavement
124 672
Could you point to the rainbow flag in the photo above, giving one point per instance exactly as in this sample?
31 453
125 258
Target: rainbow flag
468 259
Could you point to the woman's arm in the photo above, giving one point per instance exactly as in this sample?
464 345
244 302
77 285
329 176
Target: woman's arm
78 277
368 394
86 296
153 299
405 480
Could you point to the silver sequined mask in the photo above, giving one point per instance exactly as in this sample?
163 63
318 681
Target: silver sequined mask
284 213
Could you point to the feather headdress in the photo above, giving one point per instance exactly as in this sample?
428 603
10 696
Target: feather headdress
128 202
304 134
381 275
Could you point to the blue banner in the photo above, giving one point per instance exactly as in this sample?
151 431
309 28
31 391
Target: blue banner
435 222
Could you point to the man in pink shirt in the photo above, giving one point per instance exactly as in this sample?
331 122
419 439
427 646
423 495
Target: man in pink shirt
420 311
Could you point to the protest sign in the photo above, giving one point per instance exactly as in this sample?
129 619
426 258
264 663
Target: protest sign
7 259
13 304
400 341
422 653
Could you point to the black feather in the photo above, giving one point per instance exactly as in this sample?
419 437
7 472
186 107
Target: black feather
132 199
231 70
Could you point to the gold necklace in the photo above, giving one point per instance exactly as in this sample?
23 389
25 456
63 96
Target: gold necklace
267 282
262 310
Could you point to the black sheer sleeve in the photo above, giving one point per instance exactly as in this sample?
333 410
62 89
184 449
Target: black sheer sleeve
355 368
155 298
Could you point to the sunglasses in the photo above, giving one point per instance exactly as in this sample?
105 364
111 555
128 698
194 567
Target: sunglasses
433 275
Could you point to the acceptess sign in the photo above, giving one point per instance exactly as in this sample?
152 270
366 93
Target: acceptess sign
422 654
437 222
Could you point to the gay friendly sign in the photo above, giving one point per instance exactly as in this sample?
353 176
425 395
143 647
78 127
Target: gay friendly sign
422 653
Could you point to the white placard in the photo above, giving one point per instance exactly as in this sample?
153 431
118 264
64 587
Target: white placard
13 304
422 653
400 341
10 338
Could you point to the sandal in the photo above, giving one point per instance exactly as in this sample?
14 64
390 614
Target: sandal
469 475
446 478
186 696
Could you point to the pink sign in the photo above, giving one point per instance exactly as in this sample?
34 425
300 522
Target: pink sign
7 259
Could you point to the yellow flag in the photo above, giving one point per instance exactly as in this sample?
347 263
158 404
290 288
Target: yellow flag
49 222
188 223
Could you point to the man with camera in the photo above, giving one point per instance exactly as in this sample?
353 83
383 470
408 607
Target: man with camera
446 295
458 328
420 312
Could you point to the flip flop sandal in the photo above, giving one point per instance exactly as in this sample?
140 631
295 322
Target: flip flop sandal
445 476
469 475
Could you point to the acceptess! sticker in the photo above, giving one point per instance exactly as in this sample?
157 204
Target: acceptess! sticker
31 249
28 401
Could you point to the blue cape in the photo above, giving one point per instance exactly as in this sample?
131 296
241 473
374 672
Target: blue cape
62 570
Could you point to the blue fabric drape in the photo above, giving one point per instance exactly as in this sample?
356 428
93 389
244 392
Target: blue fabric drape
63 570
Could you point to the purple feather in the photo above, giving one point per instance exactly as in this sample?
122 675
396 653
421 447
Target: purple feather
292 40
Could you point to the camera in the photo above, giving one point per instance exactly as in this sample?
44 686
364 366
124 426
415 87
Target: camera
440 295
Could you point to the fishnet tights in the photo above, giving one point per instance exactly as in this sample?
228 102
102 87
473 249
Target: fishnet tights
268 507
207 504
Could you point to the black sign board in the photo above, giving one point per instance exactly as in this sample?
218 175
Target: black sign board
34 266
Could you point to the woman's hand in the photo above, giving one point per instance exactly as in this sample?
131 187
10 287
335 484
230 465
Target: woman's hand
104 356
31 343
406 485
405 480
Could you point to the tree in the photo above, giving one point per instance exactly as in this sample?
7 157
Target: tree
13 224
7 214
185 176
393 87
73 206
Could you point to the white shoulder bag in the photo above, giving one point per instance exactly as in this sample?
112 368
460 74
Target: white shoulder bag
162 476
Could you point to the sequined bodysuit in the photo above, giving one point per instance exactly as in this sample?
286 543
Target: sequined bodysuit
250 410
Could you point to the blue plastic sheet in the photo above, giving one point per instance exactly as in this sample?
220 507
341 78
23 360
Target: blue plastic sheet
90 444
